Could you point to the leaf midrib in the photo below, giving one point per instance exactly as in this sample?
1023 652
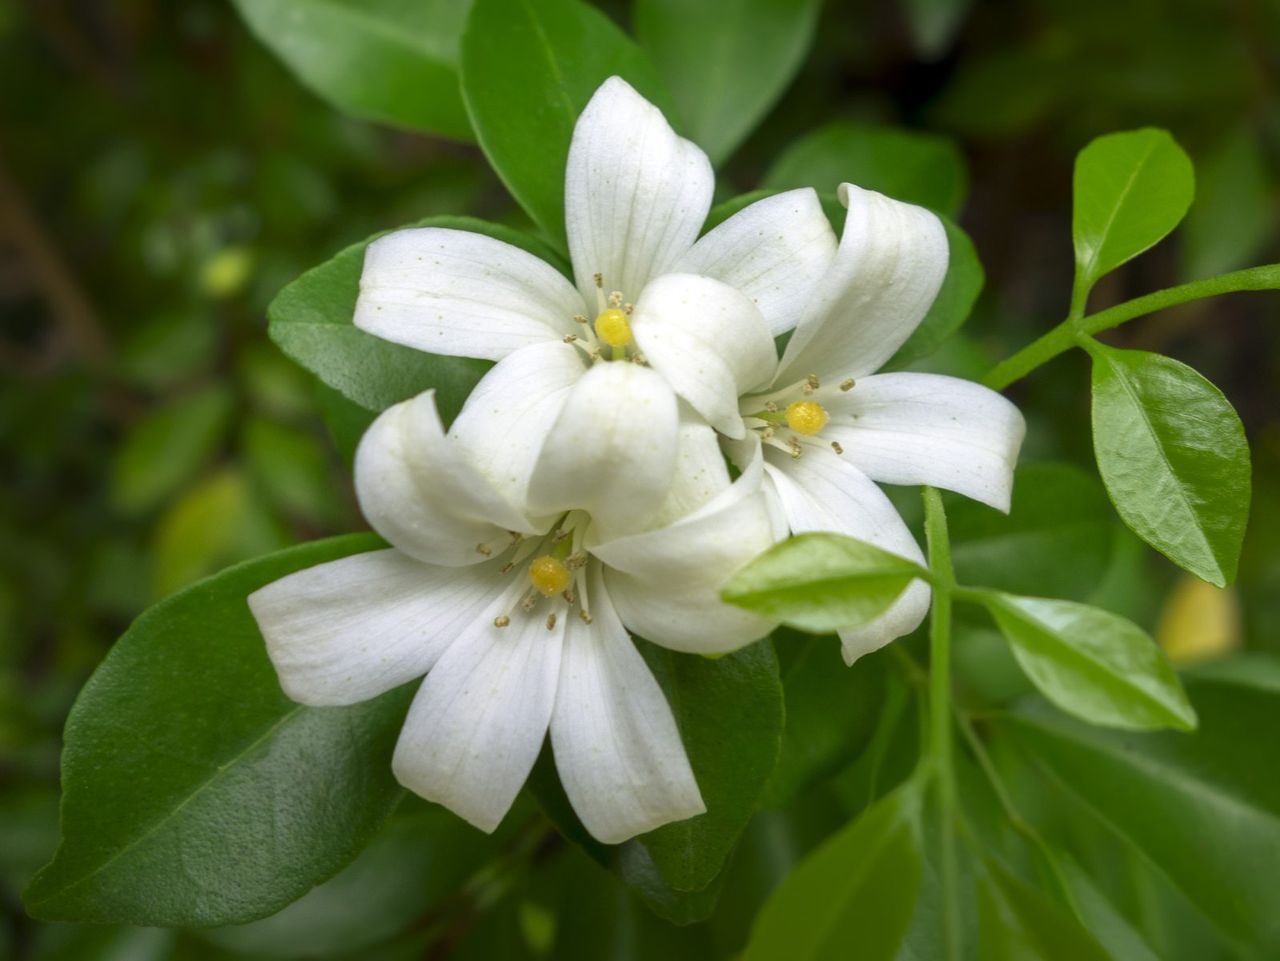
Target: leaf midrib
1085 661
1164 458
1092 264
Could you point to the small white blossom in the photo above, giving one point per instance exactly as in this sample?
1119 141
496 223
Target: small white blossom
830 426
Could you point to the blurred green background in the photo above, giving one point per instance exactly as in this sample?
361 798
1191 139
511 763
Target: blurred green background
162 176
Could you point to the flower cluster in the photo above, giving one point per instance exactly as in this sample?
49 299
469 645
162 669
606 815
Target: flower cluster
637 441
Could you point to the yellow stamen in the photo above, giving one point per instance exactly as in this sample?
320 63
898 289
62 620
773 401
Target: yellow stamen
806 417
613 327
548 575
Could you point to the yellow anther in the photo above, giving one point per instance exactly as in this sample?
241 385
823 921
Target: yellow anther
613 327
806 417
548 575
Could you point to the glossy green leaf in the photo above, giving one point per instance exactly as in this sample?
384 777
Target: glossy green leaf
859 888
920 168
1016 922
386 60
631 861
951 308
729 710
1174 458
1104 921
528 69
1203 808
725 62
168 447
311 323
422 855
1092 663
831 711
821 582
194 791
1130 189
1056 538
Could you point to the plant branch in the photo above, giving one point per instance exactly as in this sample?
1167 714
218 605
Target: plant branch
1066 335
940 746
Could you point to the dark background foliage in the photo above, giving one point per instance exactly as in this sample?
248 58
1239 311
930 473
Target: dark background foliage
162 177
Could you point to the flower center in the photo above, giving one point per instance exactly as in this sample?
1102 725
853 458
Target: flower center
549 575
791 427
613 328
558 568
806 417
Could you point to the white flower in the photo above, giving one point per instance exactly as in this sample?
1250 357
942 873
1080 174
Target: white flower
702 314
518 620
831 426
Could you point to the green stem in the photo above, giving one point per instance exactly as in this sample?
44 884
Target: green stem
940 746
1065 336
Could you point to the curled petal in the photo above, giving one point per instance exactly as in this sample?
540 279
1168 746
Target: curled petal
775 251
616 744
666 583
635 193
510 412
418 490
461 293
611 450
887 270
708 340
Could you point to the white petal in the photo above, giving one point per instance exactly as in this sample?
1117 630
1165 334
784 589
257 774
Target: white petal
886 273
478 722
928 429
348 630
775 251
820 492
635 193
666 583
510 412
616 744
612 450
461 293
708 340
700 472
419 492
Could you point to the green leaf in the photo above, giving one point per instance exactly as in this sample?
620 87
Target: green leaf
1056 537
1102 918
934 24
1018 923
1130 189
831 711
311 323
951 308
726 62
1092 663
167 447
1203 808
729 711
528 69
858 888
385 60
194 791
1174 458
920 168
821 582
421 857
